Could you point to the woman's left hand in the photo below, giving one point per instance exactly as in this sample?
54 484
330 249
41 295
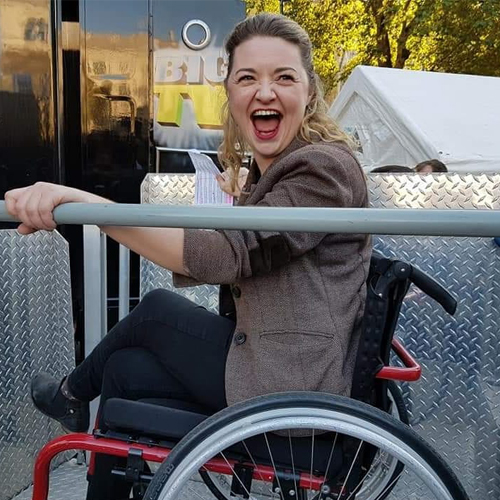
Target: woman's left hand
224 181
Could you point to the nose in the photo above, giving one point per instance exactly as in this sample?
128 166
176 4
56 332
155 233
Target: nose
265 93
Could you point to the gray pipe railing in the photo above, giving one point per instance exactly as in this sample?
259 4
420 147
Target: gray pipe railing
422 222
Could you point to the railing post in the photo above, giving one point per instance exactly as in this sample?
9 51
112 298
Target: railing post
95 292
124 282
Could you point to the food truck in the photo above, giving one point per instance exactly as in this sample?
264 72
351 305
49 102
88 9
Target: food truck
96 94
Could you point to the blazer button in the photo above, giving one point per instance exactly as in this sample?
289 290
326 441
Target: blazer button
236 291
240 338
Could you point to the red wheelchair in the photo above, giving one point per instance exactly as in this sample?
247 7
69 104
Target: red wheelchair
287 446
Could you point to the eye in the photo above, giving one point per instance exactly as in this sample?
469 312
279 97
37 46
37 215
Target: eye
286 77
245 78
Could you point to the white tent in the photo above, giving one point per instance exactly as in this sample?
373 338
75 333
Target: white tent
403 117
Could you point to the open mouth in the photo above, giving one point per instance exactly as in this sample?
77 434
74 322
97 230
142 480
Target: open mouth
266 123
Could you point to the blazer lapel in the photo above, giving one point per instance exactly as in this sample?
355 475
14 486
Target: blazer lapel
254 178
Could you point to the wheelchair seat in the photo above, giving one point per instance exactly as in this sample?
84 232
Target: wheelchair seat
147 417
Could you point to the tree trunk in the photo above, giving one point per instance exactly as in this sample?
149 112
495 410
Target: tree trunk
402 53
383 47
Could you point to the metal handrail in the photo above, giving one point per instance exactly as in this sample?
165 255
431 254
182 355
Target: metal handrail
423 222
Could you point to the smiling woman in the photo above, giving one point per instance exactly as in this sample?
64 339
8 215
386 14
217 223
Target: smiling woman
291 304
274 94
268 95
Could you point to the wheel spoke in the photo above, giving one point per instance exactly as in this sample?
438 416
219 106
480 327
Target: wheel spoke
293 462
390 446
234 473
274 466
329 461
312 462
255 465
390 485
350 469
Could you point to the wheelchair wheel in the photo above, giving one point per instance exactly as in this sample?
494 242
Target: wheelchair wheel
384 472
314 428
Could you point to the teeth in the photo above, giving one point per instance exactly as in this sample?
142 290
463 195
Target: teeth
263 112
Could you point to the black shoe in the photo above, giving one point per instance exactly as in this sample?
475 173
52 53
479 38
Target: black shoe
46 394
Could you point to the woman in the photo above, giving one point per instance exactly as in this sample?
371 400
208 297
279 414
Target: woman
291 303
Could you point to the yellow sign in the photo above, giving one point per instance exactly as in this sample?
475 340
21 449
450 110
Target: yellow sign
207 103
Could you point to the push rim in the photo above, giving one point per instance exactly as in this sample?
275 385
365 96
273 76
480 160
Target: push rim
300 418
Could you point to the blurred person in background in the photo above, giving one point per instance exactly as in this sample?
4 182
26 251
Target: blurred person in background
430 167
391 169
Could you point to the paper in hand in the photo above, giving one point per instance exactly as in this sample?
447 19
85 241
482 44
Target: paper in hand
207 190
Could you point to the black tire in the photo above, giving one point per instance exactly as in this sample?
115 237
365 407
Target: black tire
192 444
397 397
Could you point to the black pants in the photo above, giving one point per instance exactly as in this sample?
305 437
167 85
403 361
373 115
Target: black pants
167 347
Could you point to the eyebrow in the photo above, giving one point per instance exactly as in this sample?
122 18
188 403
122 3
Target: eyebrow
277 70
285 68
249 70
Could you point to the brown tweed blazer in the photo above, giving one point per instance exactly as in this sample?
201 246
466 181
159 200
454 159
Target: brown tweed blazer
299 297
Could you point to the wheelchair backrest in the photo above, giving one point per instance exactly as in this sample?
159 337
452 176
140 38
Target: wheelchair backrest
386 287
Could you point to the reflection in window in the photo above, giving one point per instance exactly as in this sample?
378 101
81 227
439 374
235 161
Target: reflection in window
99 67
22 84
36 29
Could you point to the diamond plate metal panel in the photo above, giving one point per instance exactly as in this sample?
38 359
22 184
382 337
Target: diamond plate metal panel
172 189
67 482
456 405
36 335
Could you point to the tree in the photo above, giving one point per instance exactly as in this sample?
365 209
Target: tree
461 36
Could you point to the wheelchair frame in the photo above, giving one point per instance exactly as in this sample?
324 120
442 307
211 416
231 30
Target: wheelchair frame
154 453
141 449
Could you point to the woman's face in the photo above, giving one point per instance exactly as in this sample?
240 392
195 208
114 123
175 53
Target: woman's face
268 92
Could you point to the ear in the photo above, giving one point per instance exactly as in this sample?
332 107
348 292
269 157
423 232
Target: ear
310 98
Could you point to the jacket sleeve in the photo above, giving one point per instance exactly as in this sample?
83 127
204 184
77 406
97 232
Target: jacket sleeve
316 178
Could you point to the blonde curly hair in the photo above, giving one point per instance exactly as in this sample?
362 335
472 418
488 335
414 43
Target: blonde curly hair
316 125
